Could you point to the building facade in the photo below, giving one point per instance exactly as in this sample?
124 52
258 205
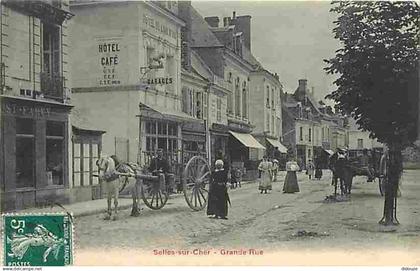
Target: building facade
34 102
127 79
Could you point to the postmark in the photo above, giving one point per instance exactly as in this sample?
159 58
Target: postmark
37 239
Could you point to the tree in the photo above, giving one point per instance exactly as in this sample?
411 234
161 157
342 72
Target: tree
377 82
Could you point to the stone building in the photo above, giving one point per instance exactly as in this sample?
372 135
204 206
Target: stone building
308 129
127 78
34 102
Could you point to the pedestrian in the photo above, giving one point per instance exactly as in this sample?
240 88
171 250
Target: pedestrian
109 175
275 169
290 183
265 168
218 197
318 169
311 169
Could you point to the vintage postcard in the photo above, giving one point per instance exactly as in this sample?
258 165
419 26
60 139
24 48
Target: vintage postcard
250 133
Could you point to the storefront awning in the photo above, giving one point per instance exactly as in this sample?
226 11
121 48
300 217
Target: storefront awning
276 143
247 140
330 152
166 113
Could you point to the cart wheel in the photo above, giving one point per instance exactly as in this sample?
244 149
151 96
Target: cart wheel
154 194
195 180
381 185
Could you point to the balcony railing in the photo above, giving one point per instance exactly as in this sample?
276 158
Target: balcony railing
44 10
52 86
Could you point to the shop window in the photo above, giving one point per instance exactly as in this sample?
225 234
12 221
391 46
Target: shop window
76 164
150 127
162 128
55 153
25 153
85 155
150 144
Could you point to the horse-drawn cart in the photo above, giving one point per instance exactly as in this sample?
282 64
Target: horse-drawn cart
154 189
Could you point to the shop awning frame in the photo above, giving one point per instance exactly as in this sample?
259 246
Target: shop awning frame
276 143
247 140
167 113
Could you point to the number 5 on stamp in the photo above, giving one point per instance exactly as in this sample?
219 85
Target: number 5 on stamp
37 240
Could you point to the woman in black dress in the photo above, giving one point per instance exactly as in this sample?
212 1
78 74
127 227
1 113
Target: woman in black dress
218 195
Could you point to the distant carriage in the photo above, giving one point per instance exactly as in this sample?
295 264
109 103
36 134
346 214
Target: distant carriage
353 168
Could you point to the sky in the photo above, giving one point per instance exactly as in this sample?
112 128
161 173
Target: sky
290 38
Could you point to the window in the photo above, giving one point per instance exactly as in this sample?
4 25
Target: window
51 49
85 155
268 97
219 109
244 101
301 133
165 137
25 153
205 106
198 105
272 98
170 71
55 153
360 143
273 129
77 156
150 54
310 135
267 122
309 153
237 97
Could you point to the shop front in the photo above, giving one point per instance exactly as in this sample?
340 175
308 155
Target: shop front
161 128
193 141
240 145
34 160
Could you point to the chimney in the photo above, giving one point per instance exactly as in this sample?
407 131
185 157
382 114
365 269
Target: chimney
234 15
226 21
184 12
213 21
302 86
243 24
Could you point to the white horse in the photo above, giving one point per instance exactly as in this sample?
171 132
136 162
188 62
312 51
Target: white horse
107 168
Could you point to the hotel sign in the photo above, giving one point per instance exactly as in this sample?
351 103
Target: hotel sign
109 59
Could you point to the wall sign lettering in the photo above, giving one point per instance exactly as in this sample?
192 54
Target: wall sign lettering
109 53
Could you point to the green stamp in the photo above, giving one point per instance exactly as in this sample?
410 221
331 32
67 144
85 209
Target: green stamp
37 239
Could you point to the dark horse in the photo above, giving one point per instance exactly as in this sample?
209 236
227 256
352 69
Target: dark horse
345 170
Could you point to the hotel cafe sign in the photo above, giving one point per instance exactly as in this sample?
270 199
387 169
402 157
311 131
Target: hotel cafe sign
109 59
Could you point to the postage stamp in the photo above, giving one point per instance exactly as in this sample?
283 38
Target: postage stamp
37 240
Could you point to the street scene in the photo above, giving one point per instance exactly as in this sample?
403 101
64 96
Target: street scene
209 128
